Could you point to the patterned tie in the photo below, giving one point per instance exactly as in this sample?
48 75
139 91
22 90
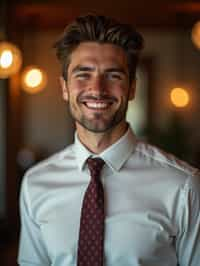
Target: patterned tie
91 234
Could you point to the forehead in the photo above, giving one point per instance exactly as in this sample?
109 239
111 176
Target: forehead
96 53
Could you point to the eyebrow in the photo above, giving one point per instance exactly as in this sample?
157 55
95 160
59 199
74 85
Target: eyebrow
81 68
116 69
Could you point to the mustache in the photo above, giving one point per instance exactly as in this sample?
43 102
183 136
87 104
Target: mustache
99 97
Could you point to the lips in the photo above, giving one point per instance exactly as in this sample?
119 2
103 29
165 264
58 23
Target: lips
97 103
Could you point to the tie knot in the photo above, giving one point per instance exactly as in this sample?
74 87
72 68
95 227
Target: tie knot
95 165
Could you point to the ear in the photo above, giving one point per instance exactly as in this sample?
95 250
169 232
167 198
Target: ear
63 86
132 90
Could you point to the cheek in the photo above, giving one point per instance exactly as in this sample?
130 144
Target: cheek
77 87
74 88
78 84
119 91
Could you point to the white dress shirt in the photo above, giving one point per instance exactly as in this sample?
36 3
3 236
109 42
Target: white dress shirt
152 203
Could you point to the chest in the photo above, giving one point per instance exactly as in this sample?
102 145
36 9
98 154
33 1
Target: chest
138 228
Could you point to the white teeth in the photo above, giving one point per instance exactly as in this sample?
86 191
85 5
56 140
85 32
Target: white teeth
96 105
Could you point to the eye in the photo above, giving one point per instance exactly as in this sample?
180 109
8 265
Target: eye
114 76
82 75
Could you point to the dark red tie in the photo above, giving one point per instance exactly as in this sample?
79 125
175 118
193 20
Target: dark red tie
91 234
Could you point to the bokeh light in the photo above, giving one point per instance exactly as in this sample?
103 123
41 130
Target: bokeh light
34 79
10 59
196 34
6 59
179 97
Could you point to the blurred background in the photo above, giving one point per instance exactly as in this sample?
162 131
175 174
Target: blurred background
35 121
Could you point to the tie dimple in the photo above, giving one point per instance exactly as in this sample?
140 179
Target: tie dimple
95 166
91 233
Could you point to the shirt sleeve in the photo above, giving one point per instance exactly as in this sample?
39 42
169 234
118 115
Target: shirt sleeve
31 247
188 242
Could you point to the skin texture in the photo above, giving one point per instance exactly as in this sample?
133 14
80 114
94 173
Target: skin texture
98 91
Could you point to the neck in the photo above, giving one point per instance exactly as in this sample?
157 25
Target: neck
98 142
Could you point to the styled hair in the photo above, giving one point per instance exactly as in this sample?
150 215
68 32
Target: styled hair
101 29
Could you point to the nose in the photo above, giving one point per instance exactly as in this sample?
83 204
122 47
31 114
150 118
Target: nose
98 84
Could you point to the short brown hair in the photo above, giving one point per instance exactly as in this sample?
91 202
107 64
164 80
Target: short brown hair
99 29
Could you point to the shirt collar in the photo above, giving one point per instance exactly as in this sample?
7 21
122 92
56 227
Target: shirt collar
81 152
114 156
118 153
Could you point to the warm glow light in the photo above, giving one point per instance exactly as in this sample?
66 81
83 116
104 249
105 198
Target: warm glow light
179 97
10 59
33 79
6 59
196 34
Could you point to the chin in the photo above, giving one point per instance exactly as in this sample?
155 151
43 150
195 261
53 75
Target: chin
100 126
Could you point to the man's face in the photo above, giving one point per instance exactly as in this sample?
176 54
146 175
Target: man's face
97 87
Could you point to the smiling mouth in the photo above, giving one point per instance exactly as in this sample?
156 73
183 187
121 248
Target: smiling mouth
97 105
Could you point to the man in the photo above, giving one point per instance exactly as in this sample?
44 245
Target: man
151 200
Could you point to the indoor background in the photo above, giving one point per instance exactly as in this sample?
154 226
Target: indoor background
35 122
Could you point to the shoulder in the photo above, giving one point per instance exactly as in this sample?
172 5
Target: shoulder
166 163
42 179
55 161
